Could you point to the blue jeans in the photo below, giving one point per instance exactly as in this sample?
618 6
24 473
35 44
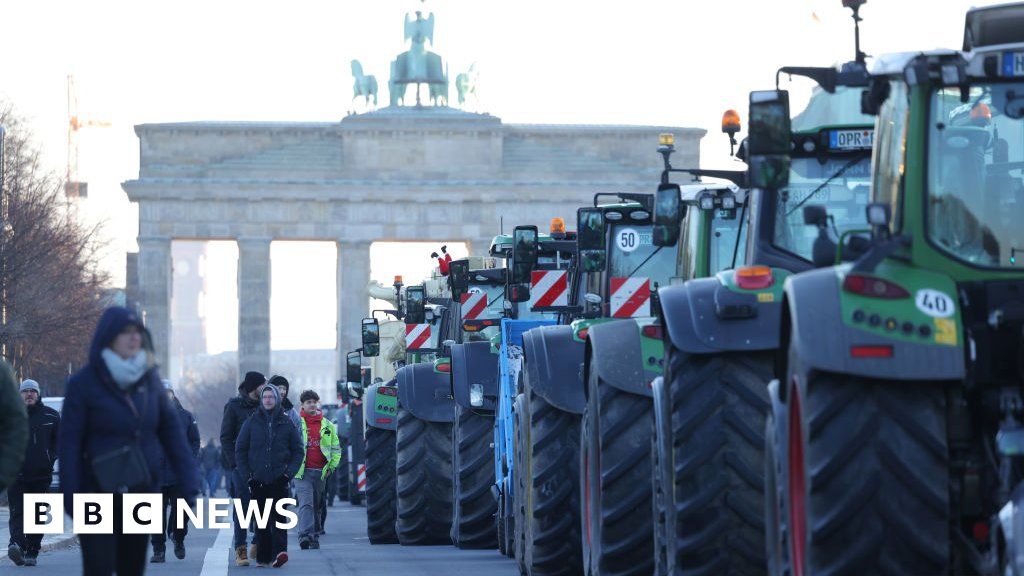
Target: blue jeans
238 488
212 480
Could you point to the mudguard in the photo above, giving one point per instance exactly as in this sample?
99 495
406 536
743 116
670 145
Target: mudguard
425 393
554 361
473 363
689 314
380 410
823 340
614 352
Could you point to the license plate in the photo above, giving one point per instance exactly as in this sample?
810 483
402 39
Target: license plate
1013 64
850 139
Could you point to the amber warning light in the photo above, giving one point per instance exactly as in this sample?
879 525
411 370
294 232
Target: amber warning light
730 122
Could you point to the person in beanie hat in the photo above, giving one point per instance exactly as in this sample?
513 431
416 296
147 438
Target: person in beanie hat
289 409
170 487
236 412
36 472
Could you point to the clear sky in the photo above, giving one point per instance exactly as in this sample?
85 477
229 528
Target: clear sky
659 62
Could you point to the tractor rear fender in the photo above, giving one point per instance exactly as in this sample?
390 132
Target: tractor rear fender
553 361
473 363
613 350
377 408
425 393
811 320
690 313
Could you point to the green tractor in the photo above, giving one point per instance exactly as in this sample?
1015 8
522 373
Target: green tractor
895 441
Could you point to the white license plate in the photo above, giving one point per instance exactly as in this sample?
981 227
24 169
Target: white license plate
1013 64
850 139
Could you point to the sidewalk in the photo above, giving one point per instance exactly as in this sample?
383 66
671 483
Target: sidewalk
50 541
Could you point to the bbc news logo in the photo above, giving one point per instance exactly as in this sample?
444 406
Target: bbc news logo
141 513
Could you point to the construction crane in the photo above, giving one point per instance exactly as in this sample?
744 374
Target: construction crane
73 188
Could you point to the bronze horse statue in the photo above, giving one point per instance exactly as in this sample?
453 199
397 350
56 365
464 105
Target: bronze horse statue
365 85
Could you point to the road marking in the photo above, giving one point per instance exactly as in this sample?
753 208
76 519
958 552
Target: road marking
215 563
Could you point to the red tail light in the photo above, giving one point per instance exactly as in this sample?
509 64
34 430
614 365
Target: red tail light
444 367
582 334
754 277
652 331
383 420
882 351
873 287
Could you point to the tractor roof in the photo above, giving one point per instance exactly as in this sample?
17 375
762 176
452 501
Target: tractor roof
826 110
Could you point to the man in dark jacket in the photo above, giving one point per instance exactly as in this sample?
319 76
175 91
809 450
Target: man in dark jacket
209 458
236 412
171 490
290 410
15 429
117 400
269 453
36 472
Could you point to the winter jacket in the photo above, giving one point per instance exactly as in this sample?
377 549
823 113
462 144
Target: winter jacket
99 417
14 428
292 413
268 446
41 452
188 422
209 457
236 412
329 447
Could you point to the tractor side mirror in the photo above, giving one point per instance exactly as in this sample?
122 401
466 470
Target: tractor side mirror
342 390
458 277
371 337
517 293
355 390
769 140
415 310
590 239
353 366
524 253
668 215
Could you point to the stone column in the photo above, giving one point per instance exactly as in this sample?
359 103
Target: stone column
253 305
155 294
353 298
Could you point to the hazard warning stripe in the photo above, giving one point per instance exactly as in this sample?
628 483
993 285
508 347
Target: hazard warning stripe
361 478
549 288
416 335
473 305
630 297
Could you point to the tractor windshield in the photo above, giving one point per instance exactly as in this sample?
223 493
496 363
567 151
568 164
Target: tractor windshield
631 252
482 302
975 202
727 238
841 183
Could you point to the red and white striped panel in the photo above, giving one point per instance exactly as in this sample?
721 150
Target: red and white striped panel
630 297
473 305
549 288
361 477
416 336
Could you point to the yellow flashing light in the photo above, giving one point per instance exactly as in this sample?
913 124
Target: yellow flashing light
666 139
730 122
557 226
398 278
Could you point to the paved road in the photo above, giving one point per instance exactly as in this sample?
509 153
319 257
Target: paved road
343 551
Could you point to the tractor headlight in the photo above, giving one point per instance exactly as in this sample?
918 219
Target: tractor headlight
476 395
728 202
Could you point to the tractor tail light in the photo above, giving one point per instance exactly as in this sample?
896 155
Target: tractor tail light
652 331
882 351
445 367
754 277
873 287
582 334
383 420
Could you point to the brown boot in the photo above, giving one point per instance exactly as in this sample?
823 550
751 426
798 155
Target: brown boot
252 551
240 558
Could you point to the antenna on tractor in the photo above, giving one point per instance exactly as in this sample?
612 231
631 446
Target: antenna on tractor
855 5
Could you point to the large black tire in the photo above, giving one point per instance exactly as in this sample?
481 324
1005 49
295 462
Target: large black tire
381 486
552 475
875 476
719 404
661 481
342 478
424 470
519 493
774 529
616 482
473 463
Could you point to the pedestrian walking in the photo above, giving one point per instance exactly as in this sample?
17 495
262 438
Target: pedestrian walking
236 412
14 432
322 454
269 453
115 425
290 411
171 488
36 472
209 458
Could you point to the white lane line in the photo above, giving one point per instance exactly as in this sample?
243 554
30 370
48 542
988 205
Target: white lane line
215 563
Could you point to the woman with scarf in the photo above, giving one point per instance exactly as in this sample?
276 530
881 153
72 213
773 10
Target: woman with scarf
116 424
269 453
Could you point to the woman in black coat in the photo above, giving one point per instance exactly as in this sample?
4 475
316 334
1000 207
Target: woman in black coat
269 453
117 400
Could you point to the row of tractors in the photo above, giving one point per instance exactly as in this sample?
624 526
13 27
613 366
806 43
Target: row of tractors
813 367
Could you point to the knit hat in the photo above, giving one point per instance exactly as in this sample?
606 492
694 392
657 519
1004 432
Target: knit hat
253 380
278 380
29 385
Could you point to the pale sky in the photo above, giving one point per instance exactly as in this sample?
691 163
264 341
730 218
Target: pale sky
651 62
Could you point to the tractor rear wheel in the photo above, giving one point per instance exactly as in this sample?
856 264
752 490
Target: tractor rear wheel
719 403
616 482
662 506
519 492
867 475
473 465
424 469
380 486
